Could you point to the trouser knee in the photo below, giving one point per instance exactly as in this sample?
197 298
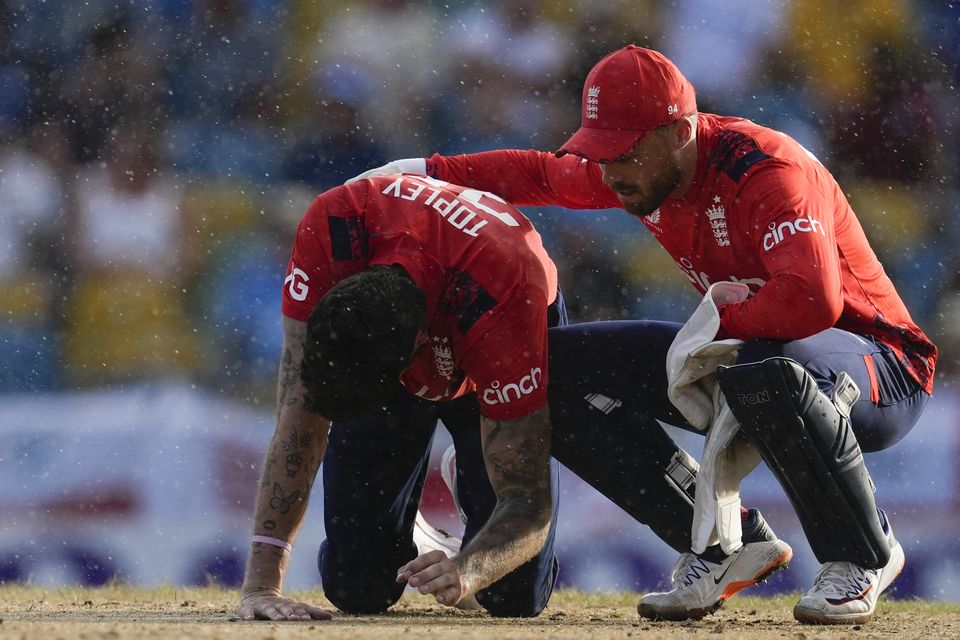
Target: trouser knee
354 590
519 599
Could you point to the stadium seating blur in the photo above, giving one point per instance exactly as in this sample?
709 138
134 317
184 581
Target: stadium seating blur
156 155
241 101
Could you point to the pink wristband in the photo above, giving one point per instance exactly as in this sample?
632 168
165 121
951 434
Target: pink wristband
277 542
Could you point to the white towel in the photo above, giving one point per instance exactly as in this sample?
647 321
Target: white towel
692 387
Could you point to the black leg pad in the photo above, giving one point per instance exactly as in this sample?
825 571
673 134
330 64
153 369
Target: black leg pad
806 440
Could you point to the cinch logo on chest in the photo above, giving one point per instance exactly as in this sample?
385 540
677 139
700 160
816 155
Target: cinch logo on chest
702 281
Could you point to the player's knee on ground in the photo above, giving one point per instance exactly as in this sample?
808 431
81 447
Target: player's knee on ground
358 587
517 598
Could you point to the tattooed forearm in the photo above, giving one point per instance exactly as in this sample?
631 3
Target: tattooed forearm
289 468
296 444
265 477
517 456
289 389
288 379
281 500
516 460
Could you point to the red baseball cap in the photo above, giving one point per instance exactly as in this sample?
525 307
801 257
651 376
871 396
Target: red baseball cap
629 93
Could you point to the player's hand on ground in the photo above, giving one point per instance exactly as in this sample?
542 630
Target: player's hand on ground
434 573
260 606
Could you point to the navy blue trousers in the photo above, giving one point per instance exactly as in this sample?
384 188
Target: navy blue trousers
607 393
373 478
626 360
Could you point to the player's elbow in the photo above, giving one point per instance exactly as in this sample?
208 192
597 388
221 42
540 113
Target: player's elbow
822 310
543 514
535 510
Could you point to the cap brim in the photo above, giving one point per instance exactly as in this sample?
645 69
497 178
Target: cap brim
601 145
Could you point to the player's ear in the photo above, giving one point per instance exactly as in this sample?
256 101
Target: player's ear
685 130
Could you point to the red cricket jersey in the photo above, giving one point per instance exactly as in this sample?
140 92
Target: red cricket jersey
481 264
763 211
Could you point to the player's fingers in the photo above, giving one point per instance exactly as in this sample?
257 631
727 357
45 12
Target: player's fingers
430 573
420 563
439 583
317 613
300 612
269 612
450 595
291 612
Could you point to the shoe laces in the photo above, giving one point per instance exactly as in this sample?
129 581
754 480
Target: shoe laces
689 568
682 567
843 578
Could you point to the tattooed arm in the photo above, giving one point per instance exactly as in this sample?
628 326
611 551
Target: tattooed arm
517 454
289 470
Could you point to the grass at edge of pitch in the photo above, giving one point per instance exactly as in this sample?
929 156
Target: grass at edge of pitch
562 598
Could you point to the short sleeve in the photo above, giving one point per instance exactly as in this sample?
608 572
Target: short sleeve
506 356
315 263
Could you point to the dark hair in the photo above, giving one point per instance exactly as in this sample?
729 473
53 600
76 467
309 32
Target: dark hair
360 337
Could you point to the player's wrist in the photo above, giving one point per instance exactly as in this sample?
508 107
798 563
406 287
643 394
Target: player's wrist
468 580
257 591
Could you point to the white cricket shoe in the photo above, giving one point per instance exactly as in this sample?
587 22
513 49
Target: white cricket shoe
429 538
843 593
701 585
448 471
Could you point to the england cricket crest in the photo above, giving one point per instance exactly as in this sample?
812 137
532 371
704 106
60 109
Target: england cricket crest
718 222
442 356
593 102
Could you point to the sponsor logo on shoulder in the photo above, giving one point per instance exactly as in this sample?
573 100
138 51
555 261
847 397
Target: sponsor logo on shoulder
779 232
507 393
297 284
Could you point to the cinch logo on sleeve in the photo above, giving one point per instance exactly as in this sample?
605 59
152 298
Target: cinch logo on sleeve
779 232
515 390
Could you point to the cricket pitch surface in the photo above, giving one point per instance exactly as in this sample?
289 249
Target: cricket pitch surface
34 613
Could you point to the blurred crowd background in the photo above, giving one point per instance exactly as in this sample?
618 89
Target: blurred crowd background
156 155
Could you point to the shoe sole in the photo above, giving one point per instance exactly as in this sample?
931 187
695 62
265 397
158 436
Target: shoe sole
812 616
649 612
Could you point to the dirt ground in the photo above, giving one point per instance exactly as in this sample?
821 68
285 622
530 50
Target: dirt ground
118 612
